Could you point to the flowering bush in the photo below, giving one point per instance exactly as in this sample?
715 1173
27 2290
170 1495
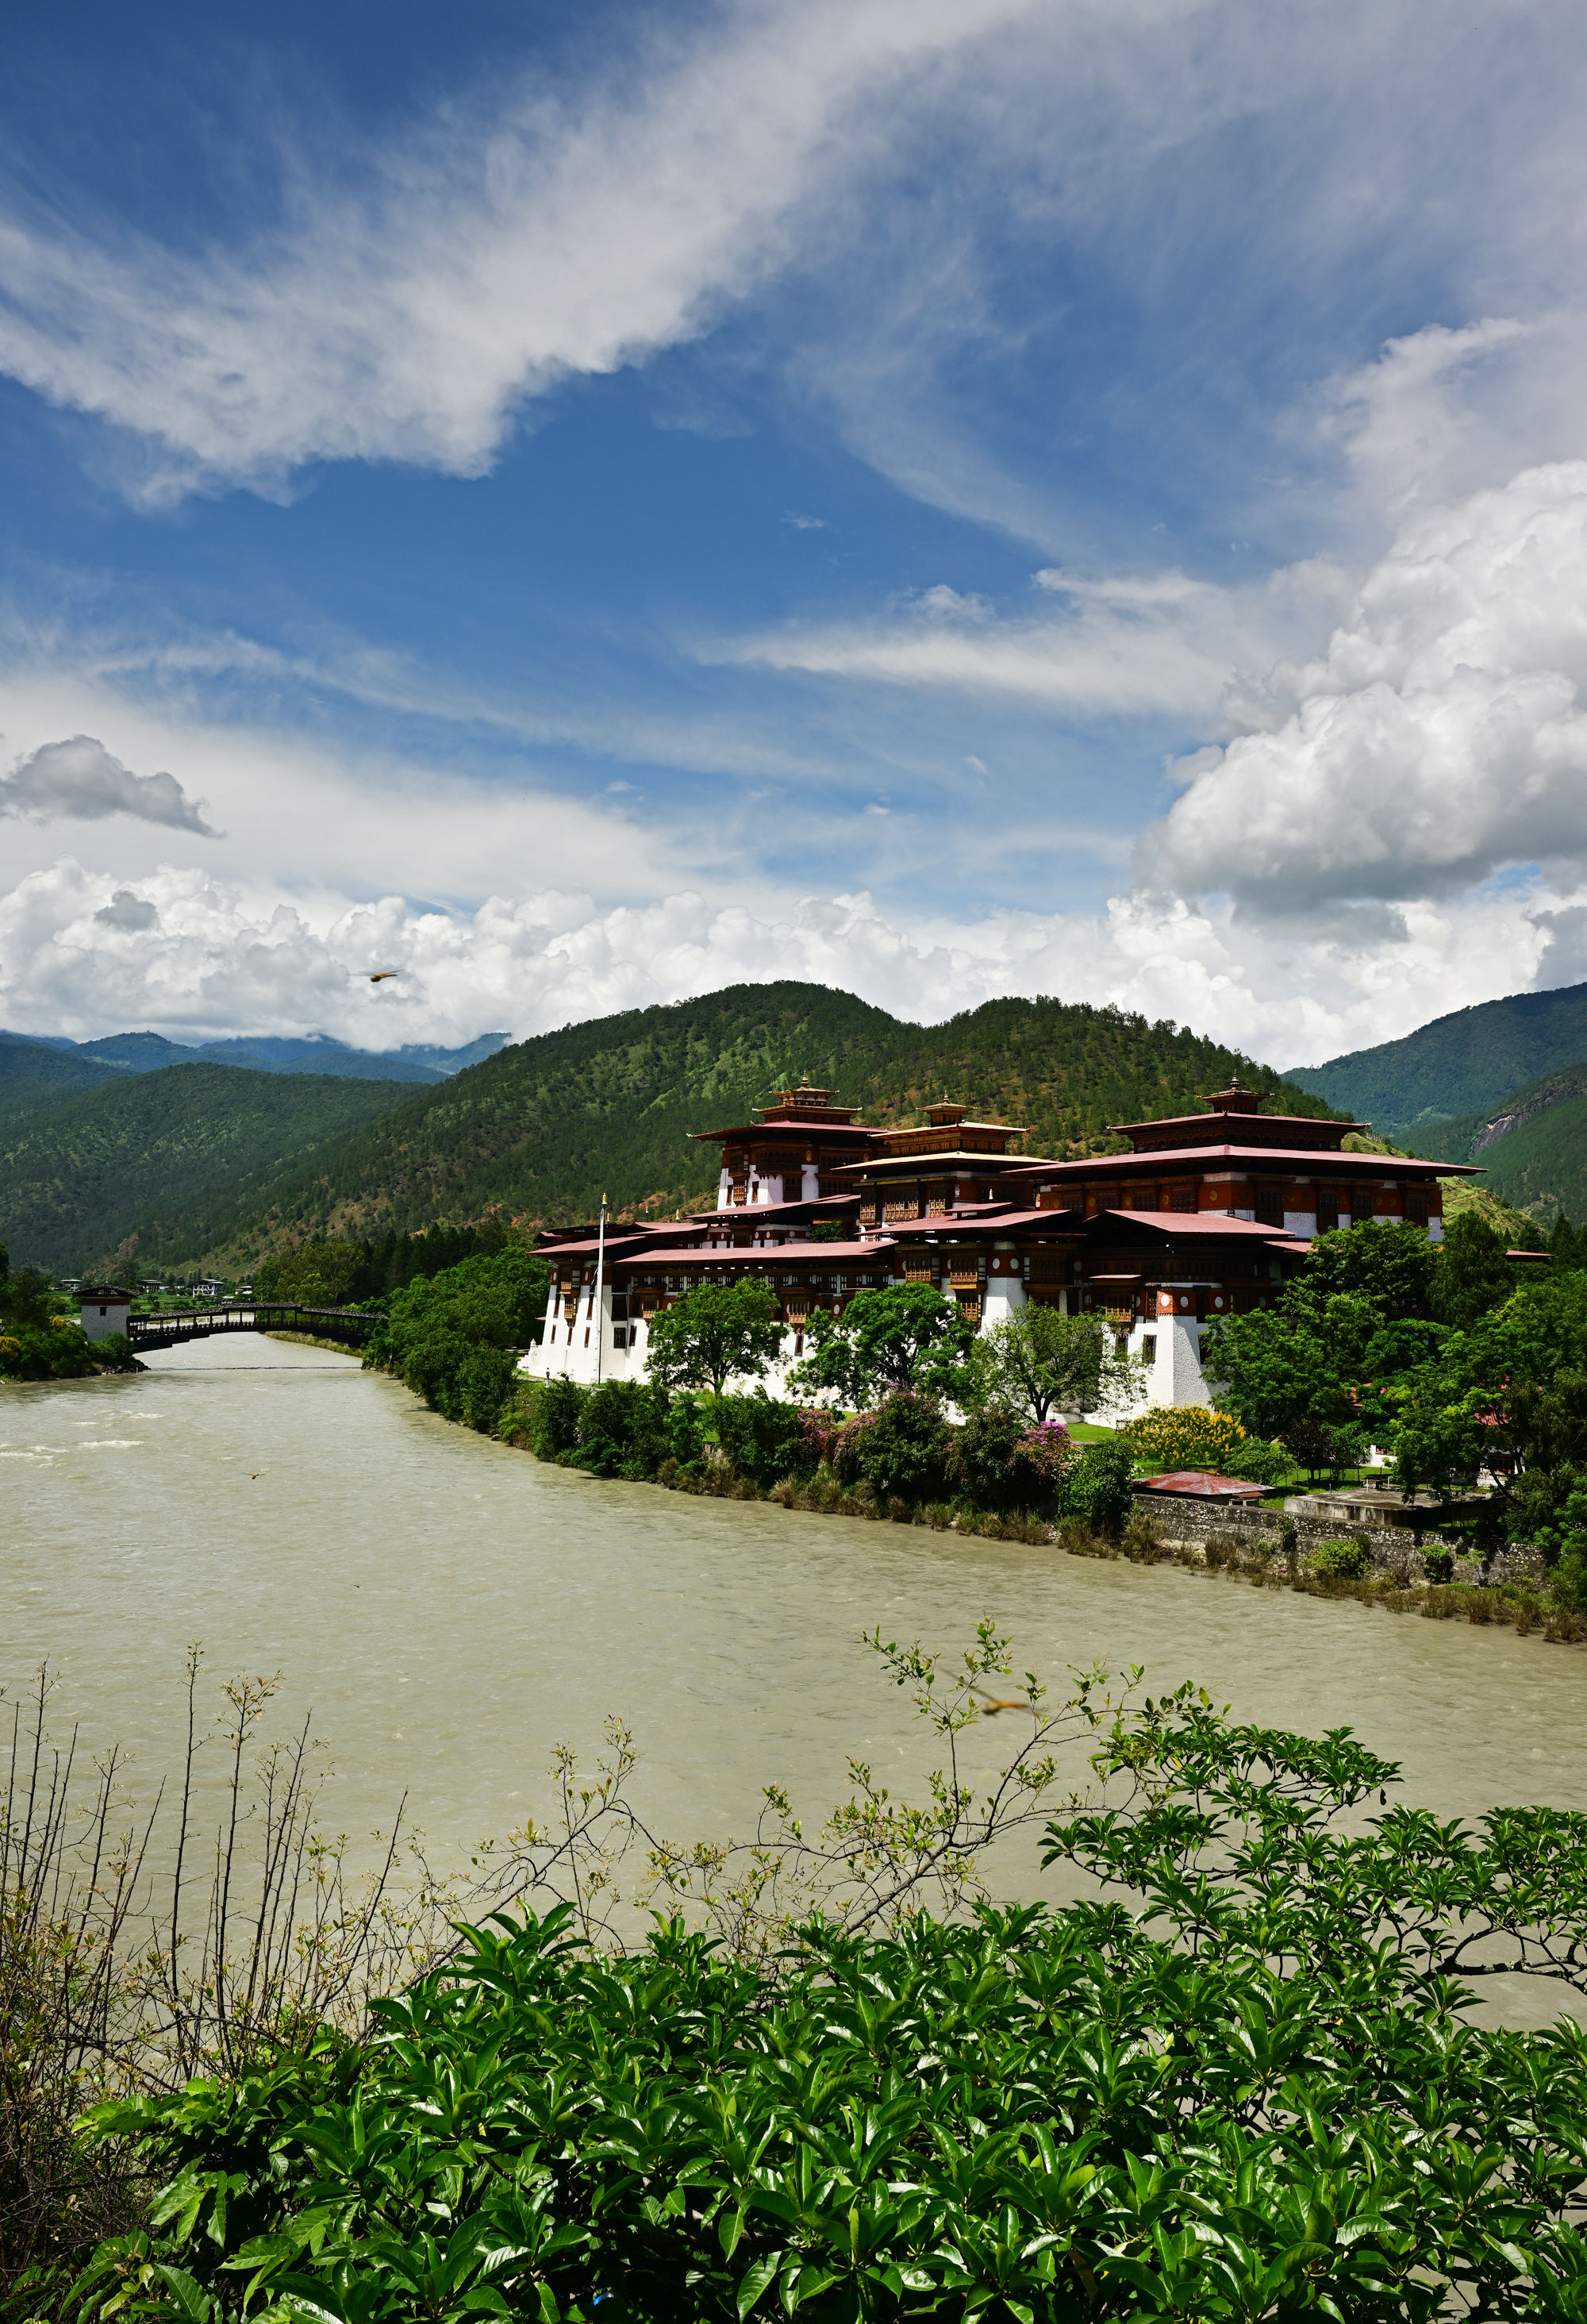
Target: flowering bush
1185 1436
1048 1449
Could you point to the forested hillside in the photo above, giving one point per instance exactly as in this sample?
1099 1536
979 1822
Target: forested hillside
1533 1146
97 1180
1467 1064
33 1074
540 1131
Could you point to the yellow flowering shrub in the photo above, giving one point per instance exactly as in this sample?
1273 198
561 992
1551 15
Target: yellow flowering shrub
1185 1436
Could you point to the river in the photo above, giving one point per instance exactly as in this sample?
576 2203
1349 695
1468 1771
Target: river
451 1610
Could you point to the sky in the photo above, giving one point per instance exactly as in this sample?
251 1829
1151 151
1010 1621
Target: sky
579 506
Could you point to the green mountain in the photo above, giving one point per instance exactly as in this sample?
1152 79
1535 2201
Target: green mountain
1533 1146
540 1131
35 1073
1463 1065
90 1180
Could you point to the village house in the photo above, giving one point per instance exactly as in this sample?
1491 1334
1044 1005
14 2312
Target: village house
1206 1215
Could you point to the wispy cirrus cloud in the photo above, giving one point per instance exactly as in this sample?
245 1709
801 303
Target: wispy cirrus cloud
405 311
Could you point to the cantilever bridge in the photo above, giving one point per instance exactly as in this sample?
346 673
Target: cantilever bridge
352 1324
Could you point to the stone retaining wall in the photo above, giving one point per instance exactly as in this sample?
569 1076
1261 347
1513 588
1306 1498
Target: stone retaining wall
1186 1524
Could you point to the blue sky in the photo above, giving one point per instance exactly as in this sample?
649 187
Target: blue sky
601 503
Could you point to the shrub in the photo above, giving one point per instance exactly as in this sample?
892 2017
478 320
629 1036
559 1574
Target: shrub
621 1430
1096 1489
765 1440
902 1449
1186 1437
556 1426
1258 1462
994 1464
1344 1560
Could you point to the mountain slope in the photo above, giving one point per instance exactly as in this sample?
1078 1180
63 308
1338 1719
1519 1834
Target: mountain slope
1533 1146
1459 1064
37 1073
80 1178
538 1132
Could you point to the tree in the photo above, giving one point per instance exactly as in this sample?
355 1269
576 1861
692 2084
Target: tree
905 1336
1475 1277
1041 1359
452 1337
37 1340
712 1335
1394 1266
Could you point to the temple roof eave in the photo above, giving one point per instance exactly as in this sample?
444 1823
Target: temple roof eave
847 1131
968 1160
1230 1158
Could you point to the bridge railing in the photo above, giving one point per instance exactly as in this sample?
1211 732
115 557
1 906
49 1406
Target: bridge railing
173 1323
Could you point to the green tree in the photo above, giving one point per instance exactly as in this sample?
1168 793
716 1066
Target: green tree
453 1337
713 1335
38 1339
1039 1360
1473 1275
1394 1266
906 1335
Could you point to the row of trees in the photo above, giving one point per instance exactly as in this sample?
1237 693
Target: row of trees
350 1271
906 1336
1460 1360
39 1338
454 1337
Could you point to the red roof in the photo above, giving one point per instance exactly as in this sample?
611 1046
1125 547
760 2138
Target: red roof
1150 1165
828 1254
1201 1485
1200 1223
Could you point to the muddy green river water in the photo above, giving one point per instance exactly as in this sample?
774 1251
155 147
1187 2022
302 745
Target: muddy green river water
450 1609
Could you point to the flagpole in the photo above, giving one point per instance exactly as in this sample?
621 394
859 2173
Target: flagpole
600 1286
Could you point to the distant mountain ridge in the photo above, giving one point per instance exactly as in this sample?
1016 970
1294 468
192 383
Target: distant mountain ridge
115 1054
1461 1066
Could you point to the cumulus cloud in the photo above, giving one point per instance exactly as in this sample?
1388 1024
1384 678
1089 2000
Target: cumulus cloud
192 956
559 232
79 779
1440 738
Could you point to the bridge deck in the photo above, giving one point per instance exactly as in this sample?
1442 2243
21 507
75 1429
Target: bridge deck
176 1326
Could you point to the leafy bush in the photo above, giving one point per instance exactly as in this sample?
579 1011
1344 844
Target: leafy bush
621 1430
999 1461
1186 1437
902 1450
1217 2094
764 1440
1258 1463
1342 1559
1096 1489
37 1340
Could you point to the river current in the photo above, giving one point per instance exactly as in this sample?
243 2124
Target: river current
451 1610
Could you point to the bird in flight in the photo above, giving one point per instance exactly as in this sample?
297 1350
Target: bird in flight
991 1705
380 974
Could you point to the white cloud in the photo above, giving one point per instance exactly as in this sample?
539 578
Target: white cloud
554 234
79 779
1440 738
82 954
1149 645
